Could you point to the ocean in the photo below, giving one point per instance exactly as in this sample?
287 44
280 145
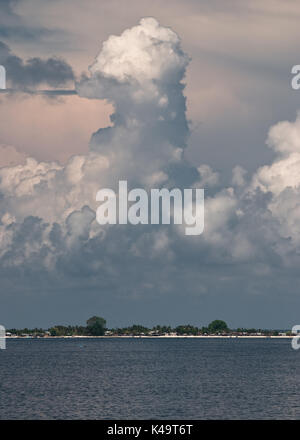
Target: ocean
171 378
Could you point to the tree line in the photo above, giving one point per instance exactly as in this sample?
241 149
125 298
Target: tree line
96 326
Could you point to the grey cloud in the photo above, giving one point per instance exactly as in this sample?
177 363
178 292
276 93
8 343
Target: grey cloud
35 71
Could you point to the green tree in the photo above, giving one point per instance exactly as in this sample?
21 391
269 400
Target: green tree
218 326
96 326
186 330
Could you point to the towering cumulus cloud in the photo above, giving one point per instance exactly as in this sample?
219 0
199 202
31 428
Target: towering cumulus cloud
140 72
48 210
50 242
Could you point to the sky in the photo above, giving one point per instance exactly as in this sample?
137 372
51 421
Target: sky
171 93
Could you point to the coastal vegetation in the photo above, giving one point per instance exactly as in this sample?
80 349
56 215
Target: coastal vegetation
96 326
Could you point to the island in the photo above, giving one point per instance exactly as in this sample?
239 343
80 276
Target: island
96 327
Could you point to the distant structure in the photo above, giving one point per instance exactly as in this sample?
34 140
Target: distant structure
2 78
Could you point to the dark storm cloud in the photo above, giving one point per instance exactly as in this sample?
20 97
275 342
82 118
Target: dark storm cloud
33 72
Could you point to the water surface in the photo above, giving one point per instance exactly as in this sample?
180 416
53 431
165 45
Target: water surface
149 379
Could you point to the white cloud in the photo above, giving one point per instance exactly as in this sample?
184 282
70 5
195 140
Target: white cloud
282 178
208 176
238 176
144 53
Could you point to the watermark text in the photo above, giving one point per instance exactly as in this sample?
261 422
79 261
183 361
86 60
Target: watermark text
2 78
182 207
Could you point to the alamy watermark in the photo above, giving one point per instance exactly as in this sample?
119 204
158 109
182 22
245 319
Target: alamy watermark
165 206
295 83
2 78
2 338
296 337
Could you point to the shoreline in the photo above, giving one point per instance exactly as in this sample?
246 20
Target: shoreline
155 337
